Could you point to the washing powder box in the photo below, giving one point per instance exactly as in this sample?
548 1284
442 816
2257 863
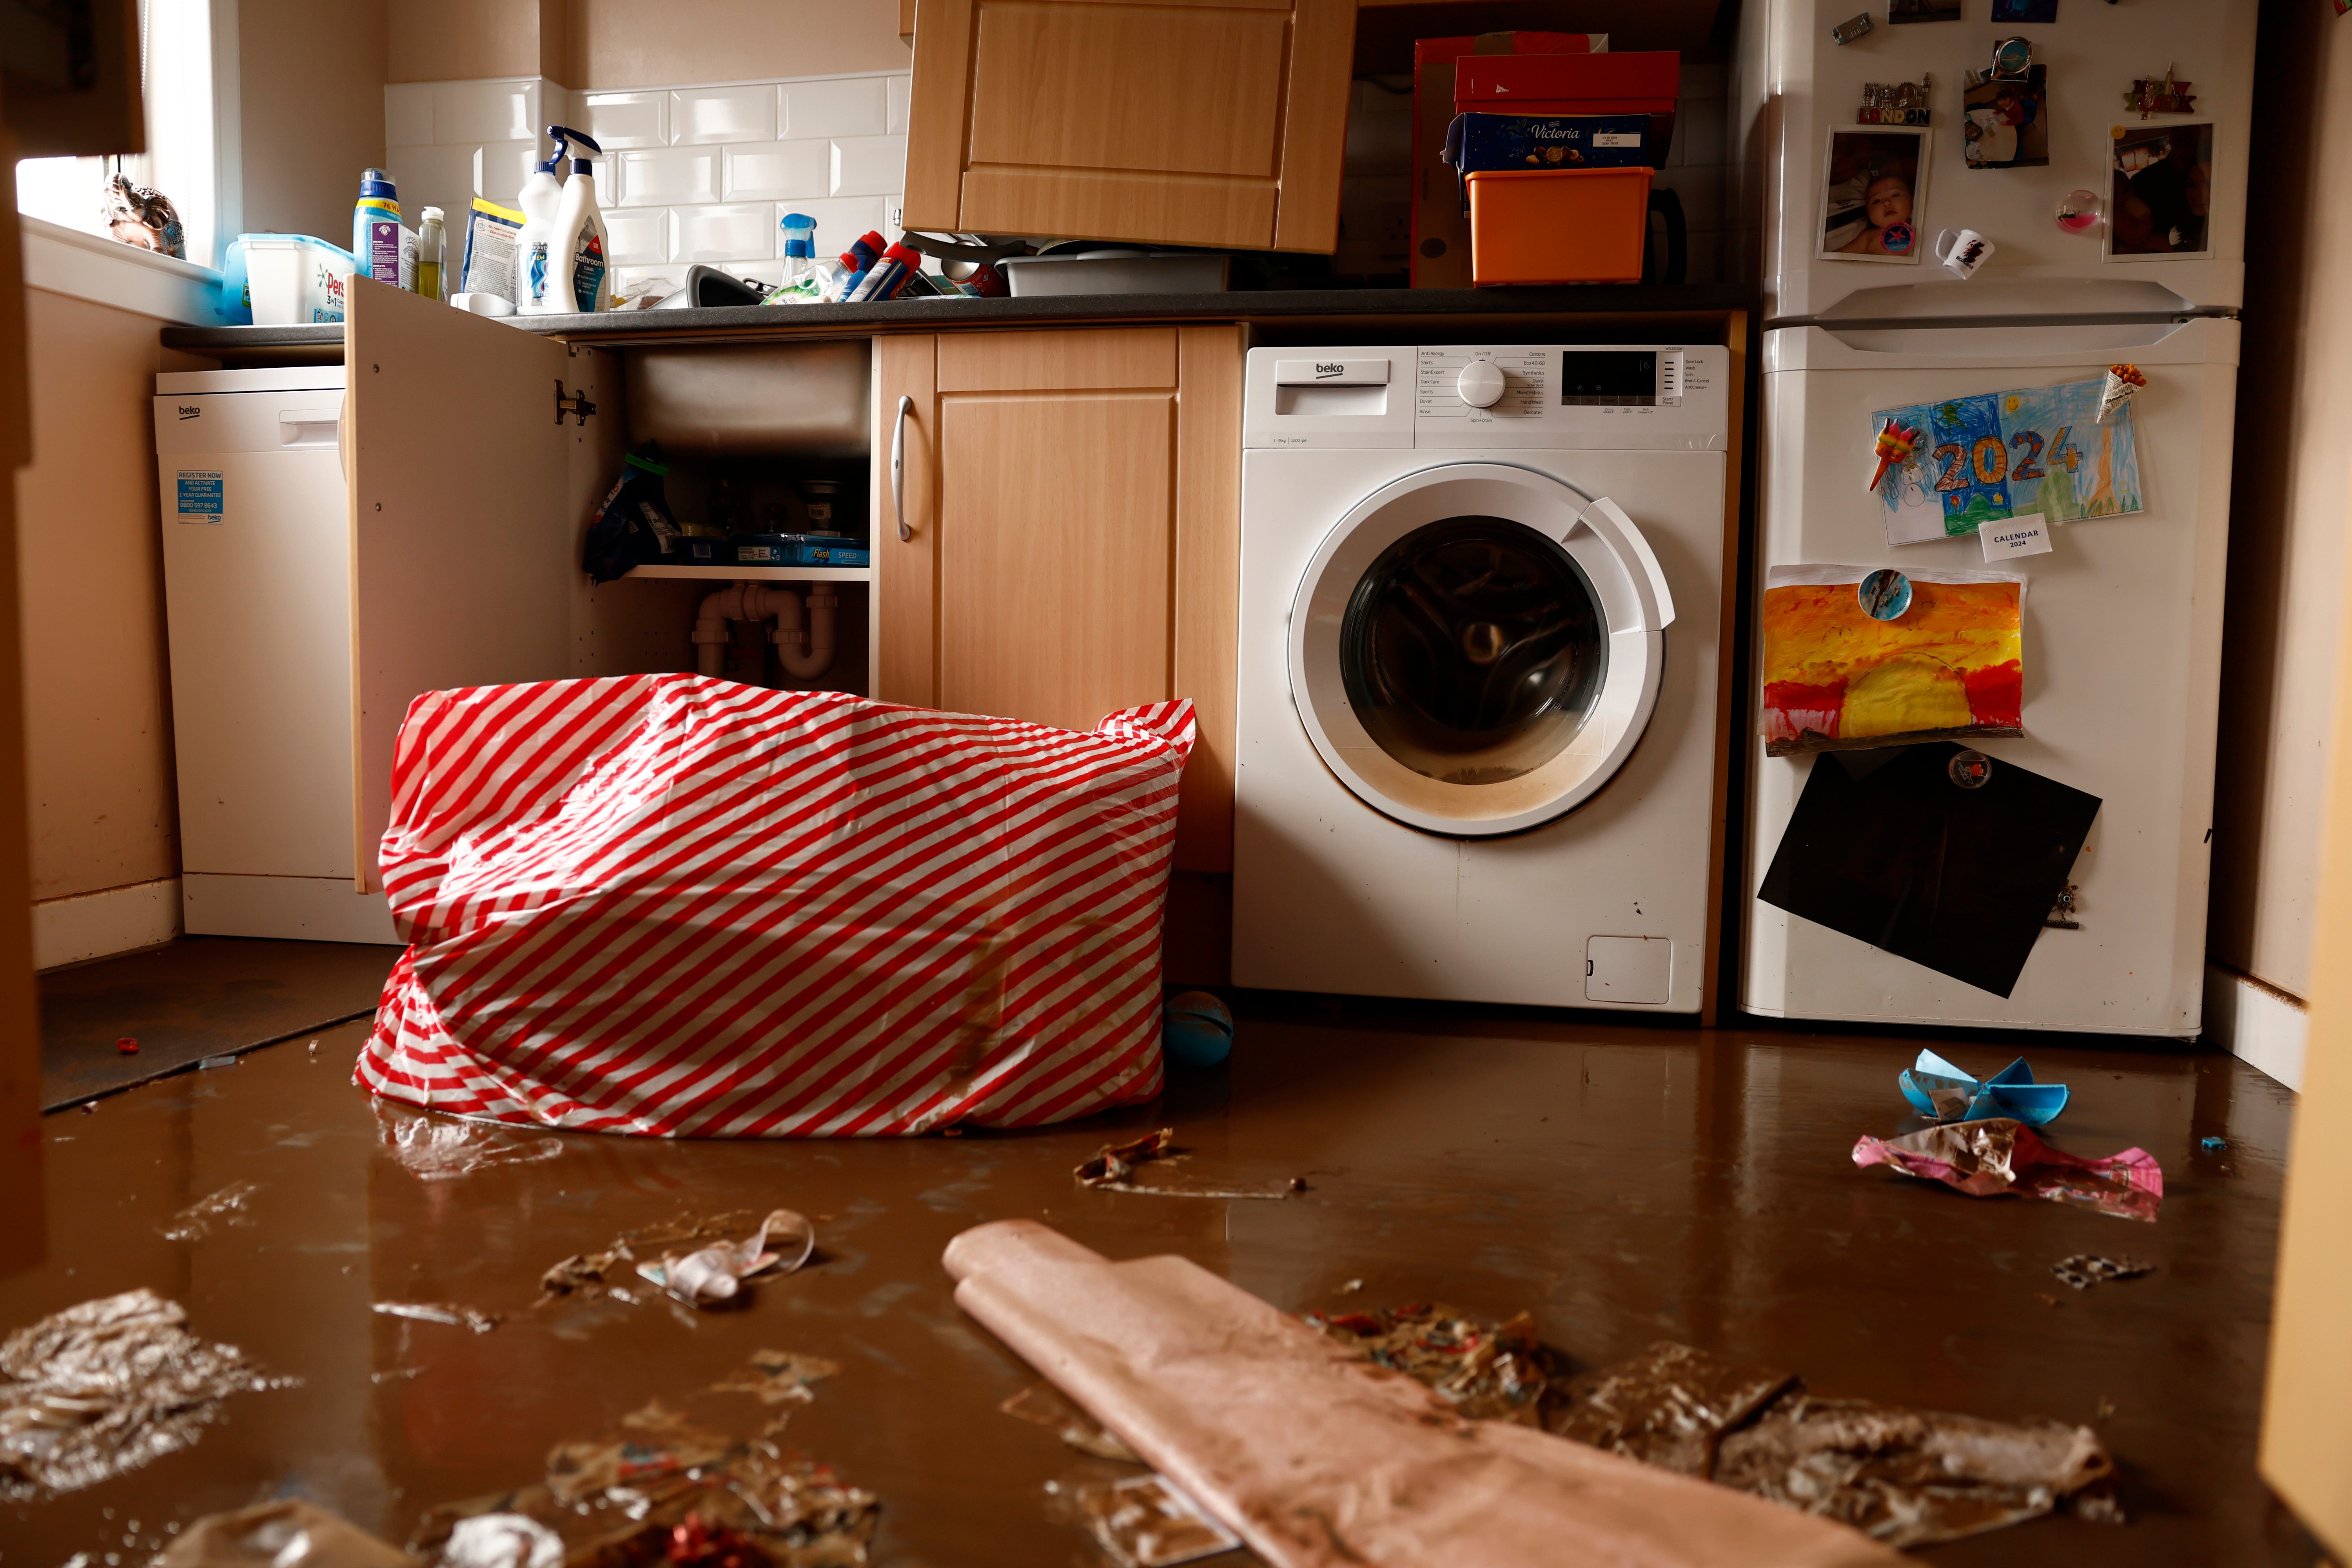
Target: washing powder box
800 550
1441 233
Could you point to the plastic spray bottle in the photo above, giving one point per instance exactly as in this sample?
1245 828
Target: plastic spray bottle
538 271
581 239
375 228
432 245
800 285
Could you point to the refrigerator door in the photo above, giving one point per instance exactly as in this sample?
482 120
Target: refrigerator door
1795 84
2122 635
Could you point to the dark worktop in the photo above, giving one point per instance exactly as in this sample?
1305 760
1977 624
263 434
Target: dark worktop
923 315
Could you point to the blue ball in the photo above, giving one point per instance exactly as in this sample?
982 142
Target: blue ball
1198 1031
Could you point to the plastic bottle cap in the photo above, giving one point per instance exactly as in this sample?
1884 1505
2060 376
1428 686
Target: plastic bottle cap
430 214
582 166
376 183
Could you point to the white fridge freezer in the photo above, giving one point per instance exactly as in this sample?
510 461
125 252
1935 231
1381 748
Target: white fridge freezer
257 600
2121 663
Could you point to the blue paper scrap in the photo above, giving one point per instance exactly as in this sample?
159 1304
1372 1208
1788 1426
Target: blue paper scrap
2211 1144
1937 1088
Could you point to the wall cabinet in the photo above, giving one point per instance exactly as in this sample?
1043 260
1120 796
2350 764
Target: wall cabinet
1071 501
1175 124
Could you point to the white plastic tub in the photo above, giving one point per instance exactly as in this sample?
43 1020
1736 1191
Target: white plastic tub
294 280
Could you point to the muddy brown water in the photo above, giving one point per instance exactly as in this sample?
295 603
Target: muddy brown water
1625 1184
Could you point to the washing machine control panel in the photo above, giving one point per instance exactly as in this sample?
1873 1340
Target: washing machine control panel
1660 396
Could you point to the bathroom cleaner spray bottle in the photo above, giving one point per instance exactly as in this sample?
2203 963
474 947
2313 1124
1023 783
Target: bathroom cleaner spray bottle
538 270
580 235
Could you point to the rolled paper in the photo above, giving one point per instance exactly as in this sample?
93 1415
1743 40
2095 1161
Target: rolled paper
2123 385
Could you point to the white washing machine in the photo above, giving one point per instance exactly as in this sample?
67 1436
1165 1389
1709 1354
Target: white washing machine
1477 725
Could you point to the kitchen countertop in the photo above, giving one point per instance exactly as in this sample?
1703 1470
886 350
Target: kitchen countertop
924 315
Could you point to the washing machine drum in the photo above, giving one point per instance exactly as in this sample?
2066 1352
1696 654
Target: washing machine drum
1476 648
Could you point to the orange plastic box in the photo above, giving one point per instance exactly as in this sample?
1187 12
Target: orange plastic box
1558 225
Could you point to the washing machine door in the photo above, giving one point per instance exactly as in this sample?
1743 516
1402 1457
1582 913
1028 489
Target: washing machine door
1476 648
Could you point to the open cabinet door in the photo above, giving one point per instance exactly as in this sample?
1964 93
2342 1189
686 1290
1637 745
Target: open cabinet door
22 1240
462 554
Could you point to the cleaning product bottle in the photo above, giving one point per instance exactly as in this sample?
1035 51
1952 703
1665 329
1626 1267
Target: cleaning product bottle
375 228
581 239
800 283
432 245
536 292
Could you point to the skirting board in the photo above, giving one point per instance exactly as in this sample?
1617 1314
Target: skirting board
296 908
101 924
2259 1024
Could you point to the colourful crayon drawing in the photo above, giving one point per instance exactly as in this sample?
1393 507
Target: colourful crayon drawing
1999 455
1950 667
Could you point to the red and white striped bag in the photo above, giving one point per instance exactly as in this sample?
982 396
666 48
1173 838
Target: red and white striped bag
678 907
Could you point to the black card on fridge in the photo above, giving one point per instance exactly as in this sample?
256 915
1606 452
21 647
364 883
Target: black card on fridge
1894 847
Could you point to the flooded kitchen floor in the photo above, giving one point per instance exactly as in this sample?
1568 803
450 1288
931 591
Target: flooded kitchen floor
1625 1184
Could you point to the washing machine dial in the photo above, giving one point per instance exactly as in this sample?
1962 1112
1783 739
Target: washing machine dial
1480 384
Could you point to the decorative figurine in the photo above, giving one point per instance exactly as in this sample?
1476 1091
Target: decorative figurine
2150 96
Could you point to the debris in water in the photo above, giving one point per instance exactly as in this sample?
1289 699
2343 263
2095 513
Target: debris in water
1142 1522
590 1275
714 1274
394 1374
1670 1406
105 1387
777 1377
314 1050
127 1046
288 1533
208 1063
2212 1145
1043 1404
2085 1269
502 1540
1489 1372
441 1312
1113 1169
1984 1159
437 1149
1942 1093
1351 1287
228 1206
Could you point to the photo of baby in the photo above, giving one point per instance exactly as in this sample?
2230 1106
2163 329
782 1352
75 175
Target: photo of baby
1873 204
2161 190
2008 123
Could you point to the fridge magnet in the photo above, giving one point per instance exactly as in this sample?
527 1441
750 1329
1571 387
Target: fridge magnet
1848 31
2166 96
2160 187
1923 10
1994 455
1909 859
2007 121
2122 383
2078 211
1962 251
2038 11
2028 533
1895 445
1896 103
1874 193
1884 594
1836 677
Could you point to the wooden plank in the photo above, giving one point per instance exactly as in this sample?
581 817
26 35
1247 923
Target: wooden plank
1125 205
906 572
1730 701
462 552
23 1224
1208 585
1161 90
1056 533
1314 128
939 116
1058 360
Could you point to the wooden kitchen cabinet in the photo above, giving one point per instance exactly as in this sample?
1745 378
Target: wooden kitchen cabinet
1181 124
1072 501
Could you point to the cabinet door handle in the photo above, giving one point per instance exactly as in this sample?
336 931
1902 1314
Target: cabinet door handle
899 465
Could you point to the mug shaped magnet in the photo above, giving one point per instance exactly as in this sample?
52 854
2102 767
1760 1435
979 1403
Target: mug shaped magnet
1962 251
1884 594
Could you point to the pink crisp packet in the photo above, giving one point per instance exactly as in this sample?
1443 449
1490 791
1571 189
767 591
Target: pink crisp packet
1986 1159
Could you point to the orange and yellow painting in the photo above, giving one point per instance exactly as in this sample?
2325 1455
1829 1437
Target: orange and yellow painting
1950 667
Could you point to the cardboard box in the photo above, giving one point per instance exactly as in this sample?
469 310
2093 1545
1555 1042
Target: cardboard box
1648 82
1440 229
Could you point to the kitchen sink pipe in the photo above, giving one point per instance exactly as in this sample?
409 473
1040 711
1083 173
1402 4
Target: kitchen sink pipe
803 652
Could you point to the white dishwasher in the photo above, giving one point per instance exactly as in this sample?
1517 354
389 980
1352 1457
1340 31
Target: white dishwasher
258 594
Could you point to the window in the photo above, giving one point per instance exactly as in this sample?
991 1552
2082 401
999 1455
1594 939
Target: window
188 73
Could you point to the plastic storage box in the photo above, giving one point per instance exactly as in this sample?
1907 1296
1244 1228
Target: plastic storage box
1565 226
294 280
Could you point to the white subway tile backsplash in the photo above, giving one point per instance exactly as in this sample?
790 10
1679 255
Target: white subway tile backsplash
840 219
666 176
869 165
847 106
705 114
778 171
408 114
433 177
619 120
640 235
486 110
898 92
501 167
734 232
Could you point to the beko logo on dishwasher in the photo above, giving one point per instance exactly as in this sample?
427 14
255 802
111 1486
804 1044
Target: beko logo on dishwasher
188 412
